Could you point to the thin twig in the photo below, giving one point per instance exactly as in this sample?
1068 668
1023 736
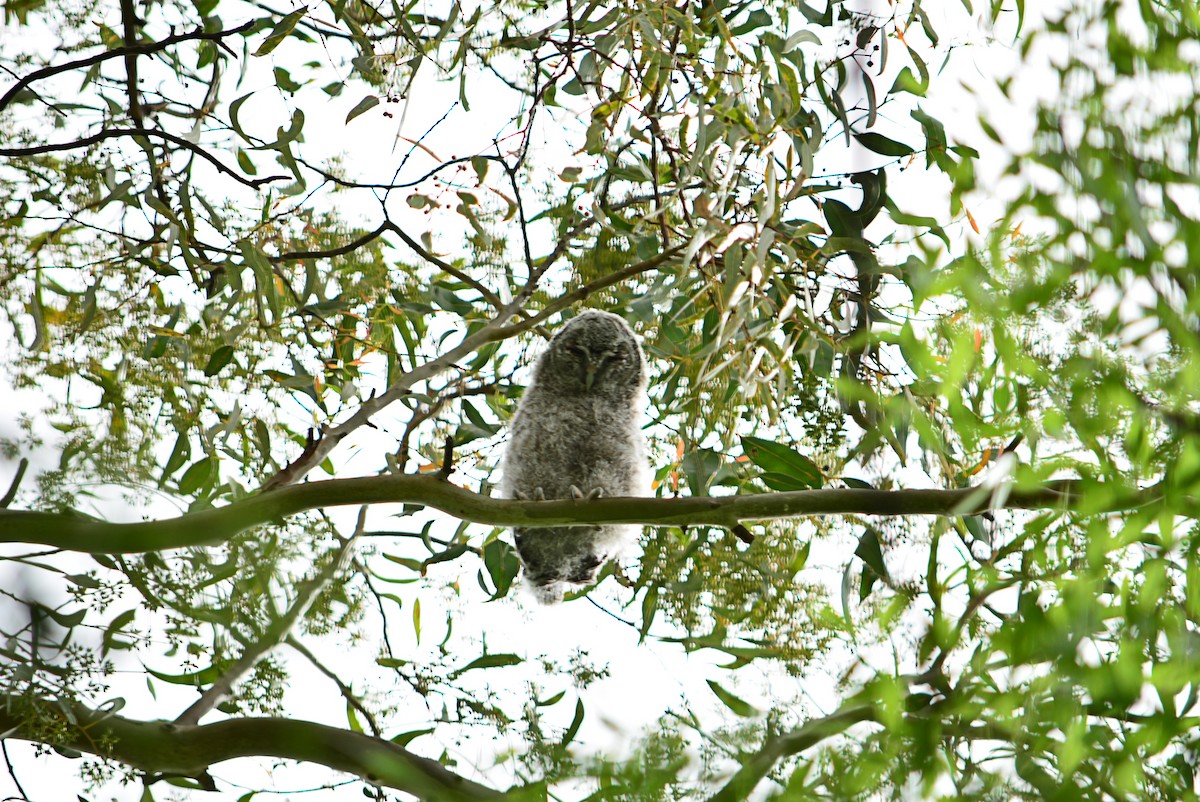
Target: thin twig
345 690
118 52
12 772
275 634
117 133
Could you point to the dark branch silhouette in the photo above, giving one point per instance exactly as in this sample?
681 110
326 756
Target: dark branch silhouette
119 52
117 133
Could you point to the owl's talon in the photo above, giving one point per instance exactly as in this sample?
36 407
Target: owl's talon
539 494
579 495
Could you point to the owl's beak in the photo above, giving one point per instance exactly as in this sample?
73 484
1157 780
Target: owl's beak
589 375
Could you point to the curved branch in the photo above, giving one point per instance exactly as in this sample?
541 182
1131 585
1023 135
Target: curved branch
218 525
116 133
164 748
152 47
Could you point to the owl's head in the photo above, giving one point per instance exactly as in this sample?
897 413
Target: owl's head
595 353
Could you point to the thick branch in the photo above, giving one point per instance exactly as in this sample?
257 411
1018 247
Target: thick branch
220 524
164 748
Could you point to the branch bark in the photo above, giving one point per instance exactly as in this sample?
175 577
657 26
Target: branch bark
218 525
162 747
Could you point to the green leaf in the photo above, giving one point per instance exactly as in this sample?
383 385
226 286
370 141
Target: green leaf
907 82
870 552
83 580
366 104
649 608
405 738
108 641
64 620
281 31
219 359
284 80
234 110
449 555
882 145
502 564
205 676
734 703
798 38
843 222
352 718
783 483
573 730
407 562
196 476
784 461
243 160
489 661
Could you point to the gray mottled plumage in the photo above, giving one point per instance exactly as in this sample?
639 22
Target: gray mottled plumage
577 432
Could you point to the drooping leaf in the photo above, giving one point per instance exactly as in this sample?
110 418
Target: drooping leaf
734 703
366 104
882 144
490 661
782 462
281 31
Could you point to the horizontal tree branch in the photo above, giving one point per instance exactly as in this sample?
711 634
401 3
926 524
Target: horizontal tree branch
117 133
161 747
217 525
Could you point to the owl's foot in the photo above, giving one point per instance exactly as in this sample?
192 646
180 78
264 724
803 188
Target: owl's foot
579 495
538 495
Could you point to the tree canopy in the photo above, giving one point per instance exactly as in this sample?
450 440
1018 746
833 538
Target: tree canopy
924 397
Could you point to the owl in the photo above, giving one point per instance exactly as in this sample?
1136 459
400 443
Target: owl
577 434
